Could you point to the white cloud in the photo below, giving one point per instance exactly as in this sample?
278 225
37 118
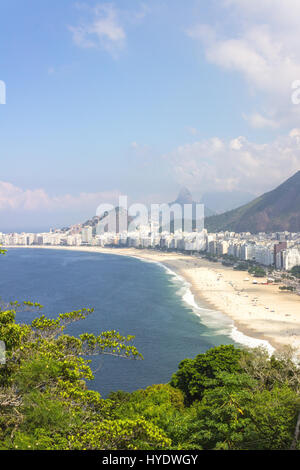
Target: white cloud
237 144
236 164
260 41
103 30
280 12
139 15
104 26
258 121
18 199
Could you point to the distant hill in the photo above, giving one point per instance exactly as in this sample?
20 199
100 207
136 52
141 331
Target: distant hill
185 197
117 212
275 211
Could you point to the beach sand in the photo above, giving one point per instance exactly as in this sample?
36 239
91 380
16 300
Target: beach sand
259 311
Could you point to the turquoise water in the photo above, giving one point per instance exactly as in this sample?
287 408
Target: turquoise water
128 295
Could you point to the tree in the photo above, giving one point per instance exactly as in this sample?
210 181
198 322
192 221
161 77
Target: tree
237 416
242 266
240 400
195 375
257 271
281 369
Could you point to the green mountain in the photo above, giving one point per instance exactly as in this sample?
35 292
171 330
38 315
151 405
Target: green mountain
275 211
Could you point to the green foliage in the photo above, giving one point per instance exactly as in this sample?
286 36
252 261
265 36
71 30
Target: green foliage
120 434
257 271
2 251
236 416
196 375
228 399
287 288
242 266
161 405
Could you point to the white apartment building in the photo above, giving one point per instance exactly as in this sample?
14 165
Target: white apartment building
290 258
87 235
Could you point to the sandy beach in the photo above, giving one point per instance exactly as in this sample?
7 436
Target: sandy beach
259 311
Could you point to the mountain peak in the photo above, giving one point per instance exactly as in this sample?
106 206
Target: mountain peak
184 197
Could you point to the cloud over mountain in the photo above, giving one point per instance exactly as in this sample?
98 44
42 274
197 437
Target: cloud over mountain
236 164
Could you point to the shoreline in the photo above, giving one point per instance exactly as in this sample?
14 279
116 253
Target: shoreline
258 312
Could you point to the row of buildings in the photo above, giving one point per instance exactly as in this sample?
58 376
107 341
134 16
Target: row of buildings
281 250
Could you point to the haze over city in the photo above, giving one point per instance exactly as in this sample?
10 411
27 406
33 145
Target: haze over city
143 98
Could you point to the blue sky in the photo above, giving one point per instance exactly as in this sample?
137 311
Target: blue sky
141 98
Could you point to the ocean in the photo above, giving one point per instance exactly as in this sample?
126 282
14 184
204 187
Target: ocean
129 295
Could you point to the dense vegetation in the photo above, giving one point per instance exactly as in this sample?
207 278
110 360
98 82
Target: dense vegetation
242 266
257 271
226 398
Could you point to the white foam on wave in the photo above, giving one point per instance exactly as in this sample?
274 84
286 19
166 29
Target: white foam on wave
213 319
239 337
